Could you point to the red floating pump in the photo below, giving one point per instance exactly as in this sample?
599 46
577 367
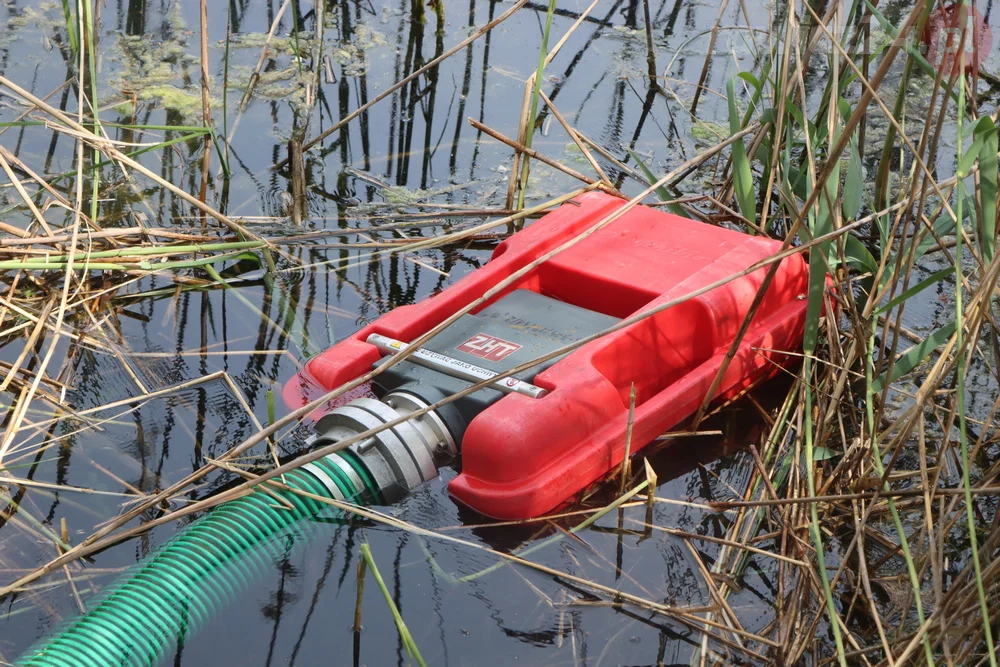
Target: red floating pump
530 444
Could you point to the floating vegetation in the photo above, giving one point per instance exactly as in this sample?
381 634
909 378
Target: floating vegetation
355 56
705 132
277 45
271 84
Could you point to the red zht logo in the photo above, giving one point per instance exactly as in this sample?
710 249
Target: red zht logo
490 348
957 33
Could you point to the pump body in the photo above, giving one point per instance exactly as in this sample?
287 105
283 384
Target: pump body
529 445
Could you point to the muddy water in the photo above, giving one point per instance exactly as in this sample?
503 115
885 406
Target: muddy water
413 149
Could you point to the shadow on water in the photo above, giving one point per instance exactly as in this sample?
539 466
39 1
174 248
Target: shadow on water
403 169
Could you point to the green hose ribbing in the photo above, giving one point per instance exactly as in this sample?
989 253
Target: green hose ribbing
173 592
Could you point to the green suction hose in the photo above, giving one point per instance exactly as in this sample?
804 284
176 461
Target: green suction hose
170 595
173 592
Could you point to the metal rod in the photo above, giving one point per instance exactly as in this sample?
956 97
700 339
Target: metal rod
455 367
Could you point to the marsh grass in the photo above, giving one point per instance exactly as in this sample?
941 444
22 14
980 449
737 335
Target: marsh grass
877 558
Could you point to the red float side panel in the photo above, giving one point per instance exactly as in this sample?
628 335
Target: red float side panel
523 456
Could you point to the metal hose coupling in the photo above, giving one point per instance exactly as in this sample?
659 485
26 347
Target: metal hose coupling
398 458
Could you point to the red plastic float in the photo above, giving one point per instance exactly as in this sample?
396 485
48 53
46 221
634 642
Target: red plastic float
522 457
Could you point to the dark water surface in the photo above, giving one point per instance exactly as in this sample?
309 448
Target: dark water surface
411 149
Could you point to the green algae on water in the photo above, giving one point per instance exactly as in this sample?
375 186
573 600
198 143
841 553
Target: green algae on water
352 55
705 132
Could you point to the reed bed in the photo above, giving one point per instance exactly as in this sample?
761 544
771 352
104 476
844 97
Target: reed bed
869 497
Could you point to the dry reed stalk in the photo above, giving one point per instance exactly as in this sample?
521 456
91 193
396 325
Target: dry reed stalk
464 234
39 218
362 570
206 98
530 152
58 196
576 139
29 344
627 454
255 76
